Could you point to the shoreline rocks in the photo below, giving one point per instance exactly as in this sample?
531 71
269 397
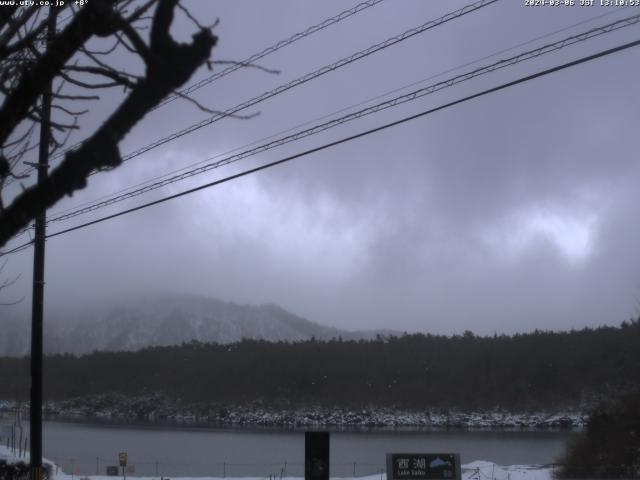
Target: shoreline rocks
159 410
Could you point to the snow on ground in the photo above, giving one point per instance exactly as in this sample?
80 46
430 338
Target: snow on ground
481 470
477 470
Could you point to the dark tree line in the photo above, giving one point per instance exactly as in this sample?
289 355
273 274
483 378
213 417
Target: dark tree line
525 371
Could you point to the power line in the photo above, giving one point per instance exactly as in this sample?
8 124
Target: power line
359 135
312 75
346 139
399 100
273 48
359 104
249 60
17 249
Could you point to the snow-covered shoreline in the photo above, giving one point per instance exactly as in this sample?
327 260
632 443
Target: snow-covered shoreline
476 470
157 409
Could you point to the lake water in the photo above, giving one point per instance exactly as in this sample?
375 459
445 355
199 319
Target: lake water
86 448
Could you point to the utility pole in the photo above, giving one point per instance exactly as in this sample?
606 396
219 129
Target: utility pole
37 302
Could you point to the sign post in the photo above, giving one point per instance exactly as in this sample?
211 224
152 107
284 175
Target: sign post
316 456
122 458
423 466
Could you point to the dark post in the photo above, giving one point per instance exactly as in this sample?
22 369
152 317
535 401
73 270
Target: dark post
316 456
37 305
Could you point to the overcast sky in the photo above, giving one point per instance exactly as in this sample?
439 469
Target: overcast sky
506 213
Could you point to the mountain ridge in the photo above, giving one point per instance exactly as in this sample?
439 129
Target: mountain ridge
166 319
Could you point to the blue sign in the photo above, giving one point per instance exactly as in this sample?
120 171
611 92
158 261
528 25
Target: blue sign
423 466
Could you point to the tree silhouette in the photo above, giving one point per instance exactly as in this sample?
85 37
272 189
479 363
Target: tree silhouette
525 372
5 283
28 62
610 446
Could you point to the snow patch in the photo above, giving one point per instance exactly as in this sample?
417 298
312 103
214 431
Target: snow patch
476 470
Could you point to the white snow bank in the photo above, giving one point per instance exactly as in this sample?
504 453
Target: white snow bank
477 470
481 470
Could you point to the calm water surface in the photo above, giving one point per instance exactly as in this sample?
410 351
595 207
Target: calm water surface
86 448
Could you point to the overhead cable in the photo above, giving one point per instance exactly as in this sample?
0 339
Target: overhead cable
248 61
344 109
273 48
17 249
309 76
358 135
396 101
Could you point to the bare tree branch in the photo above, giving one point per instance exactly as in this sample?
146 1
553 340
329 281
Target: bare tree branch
89 21
117 77
15 25
7 283
89 86
211 111
6 50
246 65
139 46
73 113
140 11
6 14
195 20
76 97
169 65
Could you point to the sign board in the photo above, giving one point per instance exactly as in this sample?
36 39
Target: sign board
423 466
131 469
316 455
122 457
112 471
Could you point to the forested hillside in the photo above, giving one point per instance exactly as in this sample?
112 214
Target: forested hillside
527 371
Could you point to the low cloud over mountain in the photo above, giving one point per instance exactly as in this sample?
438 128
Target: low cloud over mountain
158 320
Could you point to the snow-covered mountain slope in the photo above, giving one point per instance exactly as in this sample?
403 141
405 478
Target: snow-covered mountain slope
159 320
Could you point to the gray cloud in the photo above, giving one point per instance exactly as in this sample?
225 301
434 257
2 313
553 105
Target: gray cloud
507 213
